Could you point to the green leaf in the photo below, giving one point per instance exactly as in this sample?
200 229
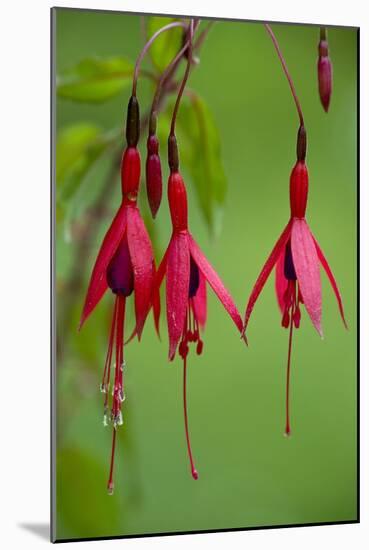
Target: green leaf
200 148
167 45
95 80
82 500
72 143
77 148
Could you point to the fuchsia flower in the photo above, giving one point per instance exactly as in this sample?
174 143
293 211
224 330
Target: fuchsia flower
125 264
324 70
297 257
187 271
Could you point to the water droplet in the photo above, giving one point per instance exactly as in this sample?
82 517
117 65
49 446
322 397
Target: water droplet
118 419
121 396
103 387
123 365
110 488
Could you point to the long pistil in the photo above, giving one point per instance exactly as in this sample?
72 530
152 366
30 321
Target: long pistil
288 427
194 472
111 482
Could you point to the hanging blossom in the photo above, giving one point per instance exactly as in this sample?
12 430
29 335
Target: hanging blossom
296 256
125 265
187 271
324 70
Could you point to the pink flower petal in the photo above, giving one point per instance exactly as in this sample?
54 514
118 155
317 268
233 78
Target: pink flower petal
143 265
331 278
133 335
265 272
156 305
98 283
200 302
281 282
178 278
305 261
215 282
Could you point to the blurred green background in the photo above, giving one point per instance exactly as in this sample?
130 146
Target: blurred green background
250 475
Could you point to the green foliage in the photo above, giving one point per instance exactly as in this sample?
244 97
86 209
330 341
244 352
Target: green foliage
82 483
78 147
95 80
202 157
200 153
166 46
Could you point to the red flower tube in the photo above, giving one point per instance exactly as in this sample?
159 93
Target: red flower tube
125 264
297 257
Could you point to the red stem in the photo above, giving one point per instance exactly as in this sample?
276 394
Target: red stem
288 428
184 81
194 472
147 46
111 482
284 65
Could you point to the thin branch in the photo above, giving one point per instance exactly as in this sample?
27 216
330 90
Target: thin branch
184 81
146 48
284 65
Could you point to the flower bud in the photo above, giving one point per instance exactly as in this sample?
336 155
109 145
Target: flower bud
154 184
324 74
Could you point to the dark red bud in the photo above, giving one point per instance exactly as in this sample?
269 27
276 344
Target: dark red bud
154 183
301 144
324 75
173 158
133 122
130 173
177 197
299 186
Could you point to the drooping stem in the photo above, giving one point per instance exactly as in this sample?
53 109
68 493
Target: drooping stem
184 80
284 65
288 427
146 48
323 33
194 472
198 43
165 75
